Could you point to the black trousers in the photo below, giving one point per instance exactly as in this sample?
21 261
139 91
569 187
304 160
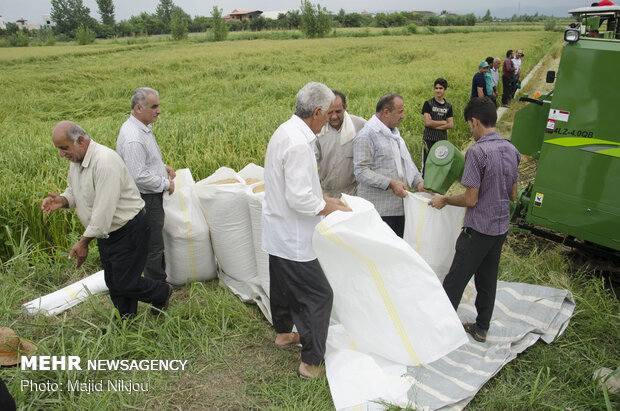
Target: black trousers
123 255
155 267
476 254
507 87
301 295
396 223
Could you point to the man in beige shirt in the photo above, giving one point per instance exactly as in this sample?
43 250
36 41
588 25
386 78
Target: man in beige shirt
109 206
334 149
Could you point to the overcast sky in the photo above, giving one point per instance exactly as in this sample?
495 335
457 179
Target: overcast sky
33 10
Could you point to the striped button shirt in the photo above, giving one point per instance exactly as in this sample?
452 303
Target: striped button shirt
374 168
139 150
491 167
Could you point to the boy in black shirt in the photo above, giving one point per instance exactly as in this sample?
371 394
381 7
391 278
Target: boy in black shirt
438 118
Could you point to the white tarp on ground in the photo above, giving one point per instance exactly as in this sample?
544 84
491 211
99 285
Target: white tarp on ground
523 314
67 297
385 295
189 254
432 232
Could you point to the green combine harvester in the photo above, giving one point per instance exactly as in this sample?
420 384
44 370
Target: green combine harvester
569 188
571 184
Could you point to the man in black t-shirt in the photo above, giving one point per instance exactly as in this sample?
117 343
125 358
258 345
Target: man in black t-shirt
438 118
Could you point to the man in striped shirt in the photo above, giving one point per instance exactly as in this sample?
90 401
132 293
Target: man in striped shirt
490 178
139 150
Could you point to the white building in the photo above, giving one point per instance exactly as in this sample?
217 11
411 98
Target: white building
2 25
273 15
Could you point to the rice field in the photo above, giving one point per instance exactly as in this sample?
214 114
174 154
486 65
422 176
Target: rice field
221 102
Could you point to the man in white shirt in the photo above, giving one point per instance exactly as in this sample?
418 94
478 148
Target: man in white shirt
139 150
495 75
110 208
294 203
517 61
334 149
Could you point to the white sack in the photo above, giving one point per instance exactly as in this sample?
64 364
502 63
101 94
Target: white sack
385 295
253 171
255 202
65 298
225 207
189 254
432 232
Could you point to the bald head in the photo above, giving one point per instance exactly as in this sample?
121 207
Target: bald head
71 141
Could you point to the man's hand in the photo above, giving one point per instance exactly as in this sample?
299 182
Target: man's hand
331 205
171 173
171 188
438 202
53 202
399 188
80 251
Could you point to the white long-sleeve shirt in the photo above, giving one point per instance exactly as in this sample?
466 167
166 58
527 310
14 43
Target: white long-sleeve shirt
293 195
139 150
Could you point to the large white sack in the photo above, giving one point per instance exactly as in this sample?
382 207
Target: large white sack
432 232
255 202
251 173
189 254
67 297
386 296
225 207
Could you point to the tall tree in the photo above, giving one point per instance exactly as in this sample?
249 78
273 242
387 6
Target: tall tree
164 11
315 20
106 11
488 17
69 15
220 29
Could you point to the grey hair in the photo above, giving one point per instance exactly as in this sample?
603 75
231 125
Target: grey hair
312 96
140 95
75 131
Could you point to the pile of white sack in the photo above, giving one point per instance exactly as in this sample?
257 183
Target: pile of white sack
211 227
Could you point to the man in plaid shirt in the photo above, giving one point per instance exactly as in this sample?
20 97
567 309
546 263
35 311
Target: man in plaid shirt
382 164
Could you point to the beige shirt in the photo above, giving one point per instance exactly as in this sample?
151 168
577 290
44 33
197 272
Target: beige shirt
102 191
336 160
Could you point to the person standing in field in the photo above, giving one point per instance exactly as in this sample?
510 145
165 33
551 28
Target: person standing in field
488 78
508 78
490 180
294 203
382 164
516 61
139 150
495 77
334 149
109 206
478 82
438 118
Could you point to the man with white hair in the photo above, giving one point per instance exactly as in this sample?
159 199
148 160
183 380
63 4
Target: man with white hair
110 208
139 150
294 203
382 164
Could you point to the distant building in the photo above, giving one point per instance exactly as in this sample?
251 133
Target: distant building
47 21
366 13
2 25
273 15
236 15
21 24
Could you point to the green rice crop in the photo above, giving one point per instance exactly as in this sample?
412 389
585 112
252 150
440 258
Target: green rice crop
221 101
